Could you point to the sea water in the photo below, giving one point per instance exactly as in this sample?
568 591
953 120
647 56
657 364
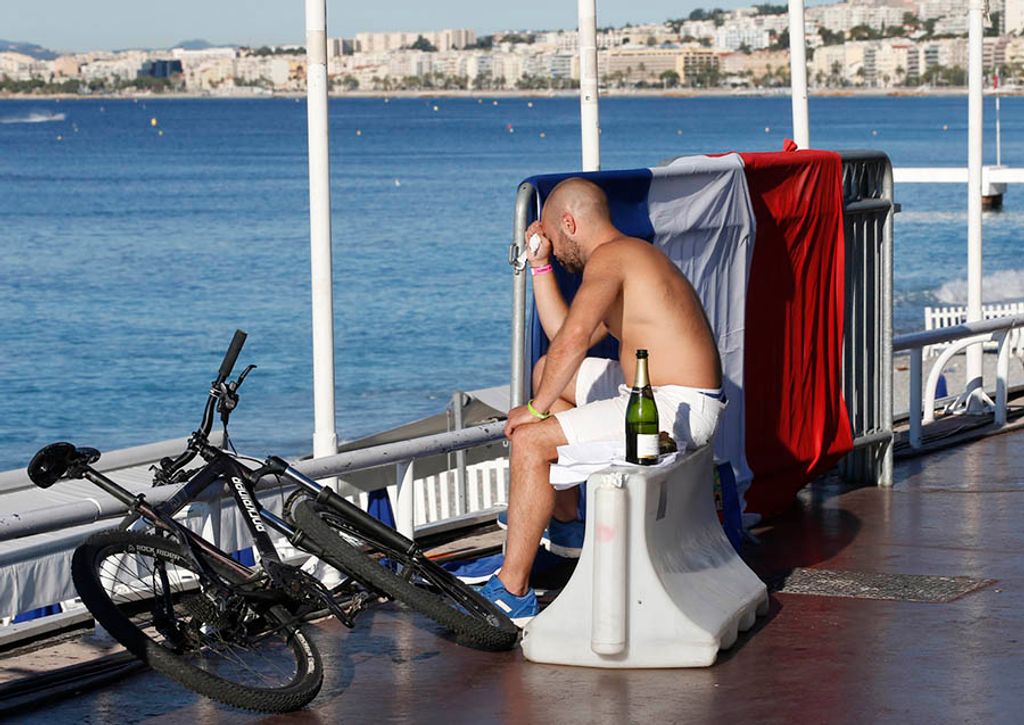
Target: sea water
136 235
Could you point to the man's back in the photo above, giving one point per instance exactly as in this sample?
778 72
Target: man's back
656 309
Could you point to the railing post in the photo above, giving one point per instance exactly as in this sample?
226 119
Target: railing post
405 501
915 397
1002 372
460 455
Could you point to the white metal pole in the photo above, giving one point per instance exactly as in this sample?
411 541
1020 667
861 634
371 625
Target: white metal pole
590 125
999 135
798 74
325 439
974 152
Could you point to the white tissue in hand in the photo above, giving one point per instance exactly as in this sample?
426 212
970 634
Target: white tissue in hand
534 243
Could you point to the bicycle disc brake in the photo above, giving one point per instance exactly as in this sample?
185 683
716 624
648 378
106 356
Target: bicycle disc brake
307 589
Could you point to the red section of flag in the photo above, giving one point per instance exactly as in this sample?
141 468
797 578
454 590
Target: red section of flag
796 419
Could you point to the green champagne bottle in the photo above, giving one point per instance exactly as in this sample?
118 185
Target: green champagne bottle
642 418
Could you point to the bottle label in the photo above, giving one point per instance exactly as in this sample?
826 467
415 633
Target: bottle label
646 445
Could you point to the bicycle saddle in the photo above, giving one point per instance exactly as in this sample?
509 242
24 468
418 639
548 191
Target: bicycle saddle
51 463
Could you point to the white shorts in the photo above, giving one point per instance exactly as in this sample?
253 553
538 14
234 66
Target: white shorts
689 415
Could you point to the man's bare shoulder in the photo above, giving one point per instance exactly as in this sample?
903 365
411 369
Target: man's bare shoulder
618 249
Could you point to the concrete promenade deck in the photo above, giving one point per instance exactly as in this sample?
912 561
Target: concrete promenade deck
816 658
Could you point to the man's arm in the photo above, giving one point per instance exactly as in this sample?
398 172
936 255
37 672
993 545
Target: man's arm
551 306
602 284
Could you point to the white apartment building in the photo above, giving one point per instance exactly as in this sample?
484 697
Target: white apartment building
120 66
652 34
1014 51
273 70
955 24
479 65
993 52
835 64
698 29
1013 17
192 57
929 9
643 64
19 67
66 66
400 64
756 64
886 62
211 74
567 41
443 40
840 17
509 67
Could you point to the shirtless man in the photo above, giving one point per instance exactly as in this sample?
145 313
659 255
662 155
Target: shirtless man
633 292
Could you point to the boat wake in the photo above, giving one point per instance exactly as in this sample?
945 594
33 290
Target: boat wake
1000 286
34 117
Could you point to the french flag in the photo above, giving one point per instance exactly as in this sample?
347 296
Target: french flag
760 237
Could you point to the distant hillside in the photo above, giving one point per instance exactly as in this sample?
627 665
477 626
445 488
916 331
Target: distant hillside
31 49
197 44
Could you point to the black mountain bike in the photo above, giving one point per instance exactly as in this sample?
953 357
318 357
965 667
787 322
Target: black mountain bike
232 632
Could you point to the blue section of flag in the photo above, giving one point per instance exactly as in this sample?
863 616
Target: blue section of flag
37 613
732 516
627 201
380 507
244 557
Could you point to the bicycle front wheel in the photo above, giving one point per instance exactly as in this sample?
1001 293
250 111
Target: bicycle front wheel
150 596
346 545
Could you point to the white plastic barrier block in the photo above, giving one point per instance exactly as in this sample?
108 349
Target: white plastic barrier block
658 583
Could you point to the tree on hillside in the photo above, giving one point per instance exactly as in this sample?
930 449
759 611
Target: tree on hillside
830 37
424 45
781 41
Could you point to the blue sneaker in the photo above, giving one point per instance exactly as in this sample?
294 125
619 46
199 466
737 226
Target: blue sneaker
563 539
566 538
519 609
476 571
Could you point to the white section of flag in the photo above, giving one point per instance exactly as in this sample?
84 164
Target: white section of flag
700 210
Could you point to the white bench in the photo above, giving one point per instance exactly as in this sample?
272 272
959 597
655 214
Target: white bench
948 316
658 583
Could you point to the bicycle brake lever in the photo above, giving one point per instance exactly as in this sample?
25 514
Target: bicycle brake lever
241 378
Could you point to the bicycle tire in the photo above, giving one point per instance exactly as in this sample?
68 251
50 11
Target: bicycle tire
474 621
107 570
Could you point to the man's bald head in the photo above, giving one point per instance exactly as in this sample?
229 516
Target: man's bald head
583 199
576 218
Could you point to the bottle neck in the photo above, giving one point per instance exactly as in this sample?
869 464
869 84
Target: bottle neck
641 380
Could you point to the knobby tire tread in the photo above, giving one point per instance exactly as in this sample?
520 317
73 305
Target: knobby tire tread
294 696
469 630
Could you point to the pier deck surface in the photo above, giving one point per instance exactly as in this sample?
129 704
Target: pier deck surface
814 658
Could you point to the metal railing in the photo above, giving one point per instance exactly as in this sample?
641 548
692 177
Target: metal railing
868 210
400 454
922 396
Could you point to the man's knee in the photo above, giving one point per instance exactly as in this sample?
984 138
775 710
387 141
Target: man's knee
538 439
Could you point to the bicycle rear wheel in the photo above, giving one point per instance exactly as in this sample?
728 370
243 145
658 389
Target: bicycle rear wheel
346 545
151 597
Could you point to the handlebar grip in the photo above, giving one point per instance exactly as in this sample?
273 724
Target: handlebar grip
231 356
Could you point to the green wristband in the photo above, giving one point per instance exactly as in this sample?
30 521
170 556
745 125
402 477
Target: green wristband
536 413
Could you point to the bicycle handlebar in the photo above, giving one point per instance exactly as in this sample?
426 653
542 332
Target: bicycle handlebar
231 355
170 466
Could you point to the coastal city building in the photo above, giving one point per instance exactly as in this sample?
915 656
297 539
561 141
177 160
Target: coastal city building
853 44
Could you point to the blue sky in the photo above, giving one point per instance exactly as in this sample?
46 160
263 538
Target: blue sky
77 25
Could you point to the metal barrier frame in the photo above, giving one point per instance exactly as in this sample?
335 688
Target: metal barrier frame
868 210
